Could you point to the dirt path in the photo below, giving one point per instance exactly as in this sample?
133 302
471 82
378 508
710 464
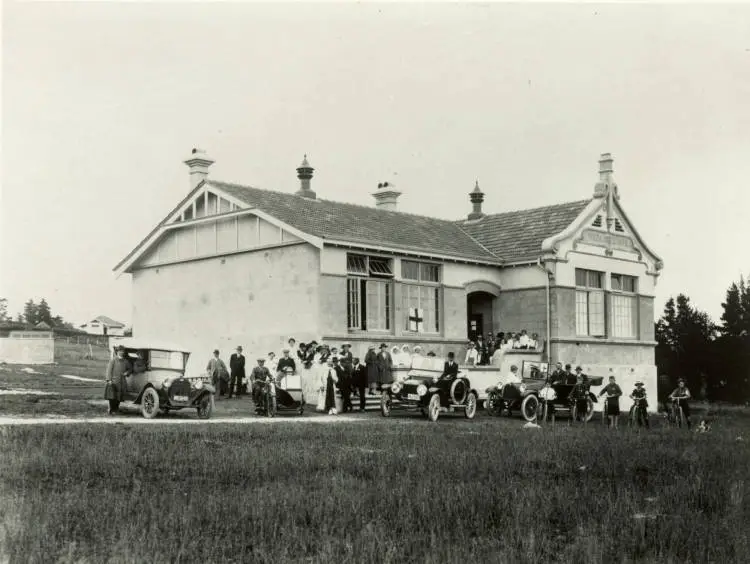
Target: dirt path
134 420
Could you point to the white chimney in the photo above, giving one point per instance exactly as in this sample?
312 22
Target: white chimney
606 181
386 196
198 163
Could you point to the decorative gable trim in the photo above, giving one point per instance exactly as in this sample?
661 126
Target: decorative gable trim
170 223
551 244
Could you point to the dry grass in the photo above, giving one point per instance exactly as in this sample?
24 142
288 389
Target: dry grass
397 490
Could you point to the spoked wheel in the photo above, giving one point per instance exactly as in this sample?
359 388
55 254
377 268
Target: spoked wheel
385 404
471 406
529 407
150 403
433 410
205 407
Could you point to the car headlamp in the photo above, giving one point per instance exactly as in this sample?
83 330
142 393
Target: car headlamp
421 390
166 383
522 387
396 387
199 385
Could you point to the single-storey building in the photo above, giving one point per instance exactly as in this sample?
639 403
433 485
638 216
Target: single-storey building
236 265
103 325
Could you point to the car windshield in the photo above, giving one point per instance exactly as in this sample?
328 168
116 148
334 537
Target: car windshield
534 370
170 360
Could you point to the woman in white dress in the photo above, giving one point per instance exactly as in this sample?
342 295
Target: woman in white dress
405 358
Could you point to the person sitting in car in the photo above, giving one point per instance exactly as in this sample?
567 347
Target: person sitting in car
258 377
140 365
285 362
558 375
450 368
513 377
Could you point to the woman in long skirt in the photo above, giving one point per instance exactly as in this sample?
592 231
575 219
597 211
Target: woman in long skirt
612 407
331 380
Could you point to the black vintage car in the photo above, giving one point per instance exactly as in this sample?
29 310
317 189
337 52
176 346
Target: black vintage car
537 396
425 391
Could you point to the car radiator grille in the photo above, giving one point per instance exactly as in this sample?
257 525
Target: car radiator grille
179 388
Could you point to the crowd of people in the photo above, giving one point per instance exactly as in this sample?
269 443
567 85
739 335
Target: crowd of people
491 350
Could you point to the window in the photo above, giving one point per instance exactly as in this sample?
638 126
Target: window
420 271
421 302
368 295
624 306
421 308
589 303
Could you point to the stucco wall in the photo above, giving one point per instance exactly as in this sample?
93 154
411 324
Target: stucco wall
254 299
522 309
37 350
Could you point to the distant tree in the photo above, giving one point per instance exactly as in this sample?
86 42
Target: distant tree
29 313
736 316
734 345
685 345
43 312
4 309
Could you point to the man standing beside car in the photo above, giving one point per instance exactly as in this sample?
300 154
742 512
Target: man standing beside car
118 370
216 370
237 368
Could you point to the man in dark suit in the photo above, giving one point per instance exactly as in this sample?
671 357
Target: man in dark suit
359 373
450 368
237 372
384 363
344 385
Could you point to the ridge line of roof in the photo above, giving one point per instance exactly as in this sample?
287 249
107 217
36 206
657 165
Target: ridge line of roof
500 258
493 215
452 221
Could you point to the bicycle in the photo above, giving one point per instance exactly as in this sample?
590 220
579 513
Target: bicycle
637 415
678 413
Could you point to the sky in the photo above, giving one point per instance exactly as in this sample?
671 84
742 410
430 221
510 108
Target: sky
101 103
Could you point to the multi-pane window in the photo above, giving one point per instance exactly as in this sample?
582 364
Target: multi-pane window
421 302
590 303
369 293
624 306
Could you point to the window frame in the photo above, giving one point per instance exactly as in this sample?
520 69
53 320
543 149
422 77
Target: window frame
589 289
436 294
358 280
616 296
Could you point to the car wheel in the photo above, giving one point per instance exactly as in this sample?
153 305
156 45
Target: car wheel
471 406
150 403
433 410
590 409
529 407
205 407
385 404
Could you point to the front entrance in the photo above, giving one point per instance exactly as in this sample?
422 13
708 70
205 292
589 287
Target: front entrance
479 314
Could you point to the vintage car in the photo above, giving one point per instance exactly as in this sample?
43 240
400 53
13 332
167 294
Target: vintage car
424 390
162 386
282 395
536 396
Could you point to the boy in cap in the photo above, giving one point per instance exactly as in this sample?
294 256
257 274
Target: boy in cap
640 402
579 397
259 376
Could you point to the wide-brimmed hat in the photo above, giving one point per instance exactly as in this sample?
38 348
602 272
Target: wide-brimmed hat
261 359
371 348
284 350
578 368
383 346
346 345
638 383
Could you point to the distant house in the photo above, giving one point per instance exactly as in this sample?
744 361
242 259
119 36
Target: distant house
104 325
43 325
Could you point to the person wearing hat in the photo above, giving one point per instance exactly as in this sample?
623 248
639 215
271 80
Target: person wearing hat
331 379
285 362
259 376
640 401
236 372
580 372
579 398
359 381
218 373
680 397
450 368
612 407
558 375
570 378
371 368
384 365
344 385
346 358
118 369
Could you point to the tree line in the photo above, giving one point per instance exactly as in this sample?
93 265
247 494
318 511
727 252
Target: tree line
33 314
714 358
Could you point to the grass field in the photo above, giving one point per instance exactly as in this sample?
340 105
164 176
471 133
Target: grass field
395 490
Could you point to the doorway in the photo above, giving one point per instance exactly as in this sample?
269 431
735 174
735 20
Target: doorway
479 314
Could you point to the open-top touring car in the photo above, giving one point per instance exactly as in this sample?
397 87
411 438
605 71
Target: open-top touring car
157 381
423 390
537 395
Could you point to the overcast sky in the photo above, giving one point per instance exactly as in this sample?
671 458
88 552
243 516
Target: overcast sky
103 101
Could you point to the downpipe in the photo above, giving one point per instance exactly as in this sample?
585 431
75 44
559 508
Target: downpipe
549 274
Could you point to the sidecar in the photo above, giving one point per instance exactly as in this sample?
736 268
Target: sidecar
289 394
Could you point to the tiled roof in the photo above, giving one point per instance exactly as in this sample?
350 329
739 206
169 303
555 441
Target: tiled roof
362 224
518 235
